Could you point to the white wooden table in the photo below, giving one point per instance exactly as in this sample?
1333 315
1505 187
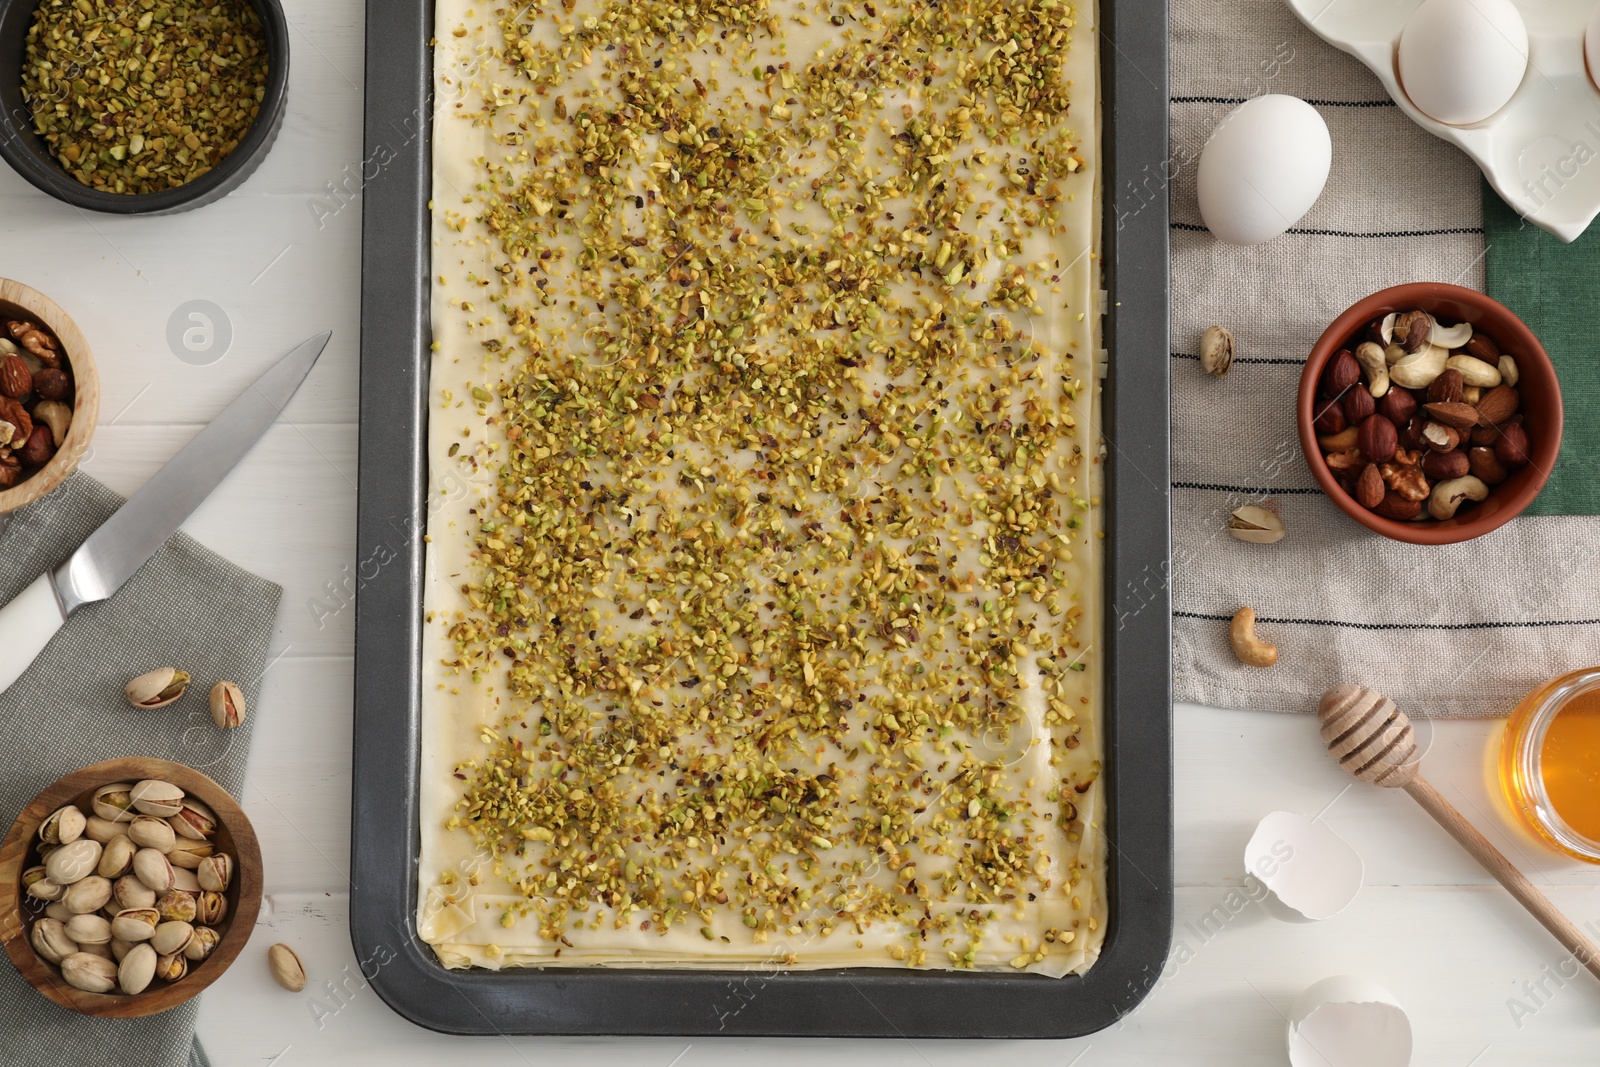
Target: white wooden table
280 259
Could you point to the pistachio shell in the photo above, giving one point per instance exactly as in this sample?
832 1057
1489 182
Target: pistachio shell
227 705
205 942
152 868
155 797
103 830
89 930
112 802
176 906
215 872
137 970
92 974
188 853
157 688
195 820
51 941
58 911
148 831
87 894
103 951
135 924
171 937
130 892
120 949
286 968
116 859
69 863
63 826
183 878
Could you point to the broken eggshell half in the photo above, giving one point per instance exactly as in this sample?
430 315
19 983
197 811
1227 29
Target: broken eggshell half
1312 872
1347 1021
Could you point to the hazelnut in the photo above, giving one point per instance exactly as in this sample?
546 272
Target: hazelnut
1358 404
1341 373
1377 438
52 383
1512 448
1398 405
1395 506
1443 466
1329 418
1486 466
40 449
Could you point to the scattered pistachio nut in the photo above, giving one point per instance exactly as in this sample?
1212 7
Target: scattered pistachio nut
227 705
286 968
1256 525
1216 351
157 688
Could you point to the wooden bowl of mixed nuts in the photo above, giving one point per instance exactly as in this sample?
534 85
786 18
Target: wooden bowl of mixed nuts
49 395
1430 413
128 887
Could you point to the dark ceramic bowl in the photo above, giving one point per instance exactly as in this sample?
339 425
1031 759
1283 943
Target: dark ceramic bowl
30 157
1537 383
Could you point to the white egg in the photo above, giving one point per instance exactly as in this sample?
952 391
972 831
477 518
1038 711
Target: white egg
1262 169
1591 46
1461 60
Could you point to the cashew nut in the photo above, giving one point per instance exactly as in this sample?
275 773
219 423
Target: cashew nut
1508 370
1448 495
1372 360
1420 368
1450 336
1393 354
1251 650
1474 371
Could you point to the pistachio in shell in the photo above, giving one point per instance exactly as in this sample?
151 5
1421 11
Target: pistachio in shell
152 868
188 854
137 969
135 924
58 911
176 906
69 863
90 973
38 885
172 968
286 968
50 940
203 944
194 820
87 895
102 950
130 892
116 858
215 872
183 878
210 908
121 948
157 688
227 705
114 802
89 929
155 797
103 830
148 831
63 826
171 937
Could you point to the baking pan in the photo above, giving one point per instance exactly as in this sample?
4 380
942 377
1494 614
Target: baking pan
758 1001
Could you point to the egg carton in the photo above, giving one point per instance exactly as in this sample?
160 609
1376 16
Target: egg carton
1541 151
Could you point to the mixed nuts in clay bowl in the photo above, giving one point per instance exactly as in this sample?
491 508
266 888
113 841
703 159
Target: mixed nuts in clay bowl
1430 413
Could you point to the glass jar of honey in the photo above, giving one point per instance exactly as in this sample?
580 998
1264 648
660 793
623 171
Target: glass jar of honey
1550 763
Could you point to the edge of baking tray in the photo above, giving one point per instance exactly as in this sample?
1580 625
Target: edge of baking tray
758 1001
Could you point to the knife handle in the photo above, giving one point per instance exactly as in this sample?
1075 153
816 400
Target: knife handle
26 625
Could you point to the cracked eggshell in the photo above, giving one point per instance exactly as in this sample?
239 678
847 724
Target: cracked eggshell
1345 1021
1262 169
1313 873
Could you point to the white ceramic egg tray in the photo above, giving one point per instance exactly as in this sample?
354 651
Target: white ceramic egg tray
1541 151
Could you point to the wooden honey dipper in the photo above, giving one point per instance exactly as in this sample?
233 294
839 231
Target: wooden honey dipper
1373 740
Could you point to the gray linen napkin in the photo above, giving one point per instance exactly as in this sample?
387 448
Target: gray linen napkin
1459 630
188 607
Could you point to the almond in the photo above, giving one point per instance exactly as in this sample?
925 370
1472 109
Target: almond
1440 437
1447 387
1413 329
1370 489
1461 416
1483 347
16 380
1377 438
1498 405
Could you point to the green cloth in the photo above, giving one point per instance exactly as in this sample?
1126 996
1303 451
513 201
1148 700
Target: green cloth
1555 289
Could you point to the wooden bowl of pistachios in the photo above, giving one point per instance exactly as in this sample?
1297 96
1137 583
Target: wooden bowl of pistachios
128 887
49 395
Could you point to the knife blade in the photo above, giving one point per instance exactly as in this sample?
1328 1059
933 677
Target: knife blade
122 544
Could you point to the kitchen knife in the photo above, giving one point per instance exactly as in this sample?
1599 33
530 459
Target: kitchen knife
125 541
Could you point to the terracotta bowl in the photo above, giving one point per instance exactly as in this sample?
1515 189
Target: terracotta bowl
18 302
18 911
1537 383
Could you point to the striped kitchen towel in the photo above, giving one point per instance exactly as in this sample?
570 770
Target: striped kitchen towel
1460 630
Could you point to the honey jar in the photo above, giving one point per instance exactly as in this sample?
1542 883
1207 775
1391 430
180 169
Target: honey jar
1550 763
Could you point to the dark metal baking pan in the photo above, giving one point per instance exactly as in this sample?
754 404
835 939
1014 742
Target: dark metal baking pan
869 1002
